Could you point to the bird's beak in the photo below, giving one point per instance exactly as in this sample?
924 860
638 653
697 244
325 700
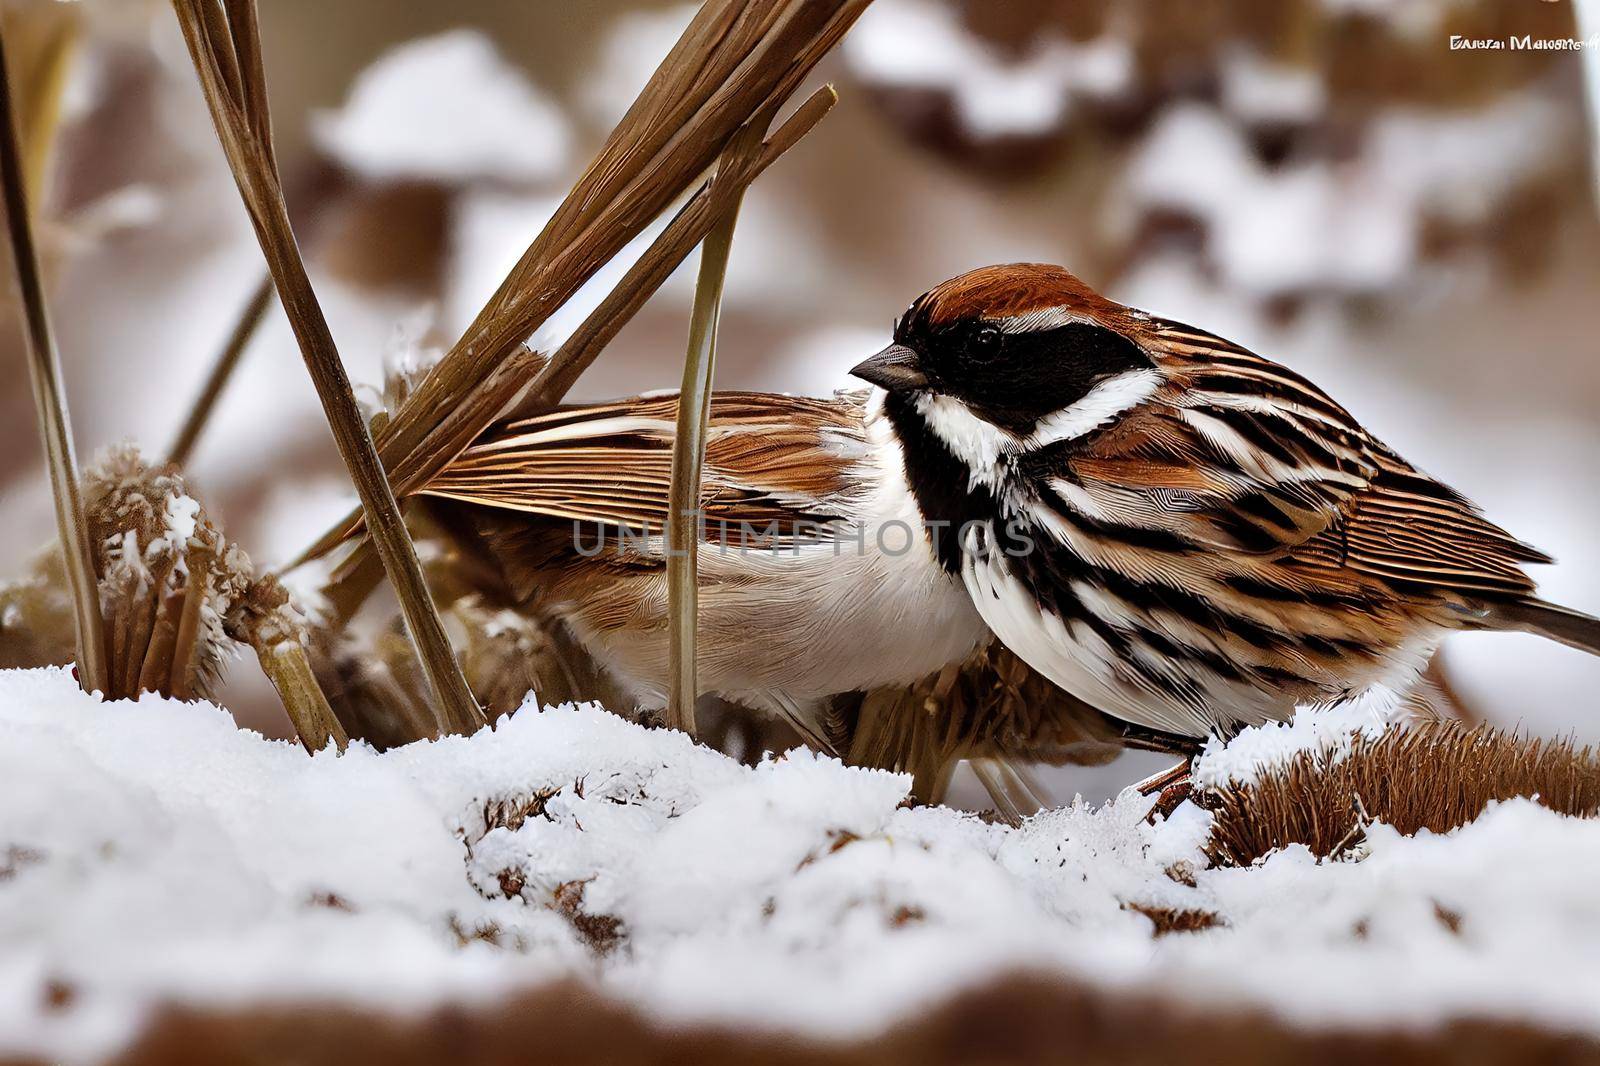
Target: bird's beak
896 369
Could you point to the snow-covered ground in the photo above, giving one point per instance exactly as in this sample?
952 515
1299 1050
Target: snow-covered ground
152 852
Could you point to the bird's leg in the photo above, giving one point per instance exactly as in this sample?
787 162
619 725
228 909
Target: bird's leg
1174 787
1172 797
1173 775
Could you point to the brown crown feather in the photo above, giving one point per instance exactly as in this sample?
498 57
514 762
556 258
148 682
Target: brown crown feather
1008 289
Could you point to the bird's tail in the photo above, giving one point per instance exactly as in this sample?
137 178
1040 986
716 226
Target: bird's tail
1572 628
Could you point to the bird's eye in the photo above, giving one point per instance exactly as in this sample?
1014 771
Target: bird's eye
985 343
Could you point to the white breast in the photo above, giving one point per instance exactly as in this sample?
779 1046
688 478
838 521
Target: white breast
1071 654
871 608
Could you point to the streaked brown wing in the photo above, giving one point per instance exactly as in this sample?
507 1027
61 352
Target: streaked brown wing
769 459
1245 455
1235 453
1409 528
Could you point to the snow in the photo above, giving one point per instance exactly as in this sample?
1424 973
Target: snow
917 44
1258 89
180 514
153 852
446 108
1328 730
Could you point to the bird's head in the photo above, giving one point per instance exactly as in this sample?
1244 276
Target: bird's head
1023 352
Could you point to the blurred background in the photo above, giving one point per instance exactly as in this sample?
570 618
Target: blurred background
1327 182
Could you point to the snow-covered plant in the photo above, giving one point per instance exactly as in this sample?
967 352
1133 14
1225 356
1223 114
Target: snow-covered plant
1434 775
168 578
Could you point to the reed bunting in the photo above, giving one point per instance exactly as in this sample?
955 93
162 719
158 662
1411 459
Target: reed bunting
821 599
1178 533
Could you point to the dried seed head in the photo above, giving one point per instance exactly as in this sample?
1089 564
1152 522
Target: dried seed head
1434 775
508 653
412 352
168 578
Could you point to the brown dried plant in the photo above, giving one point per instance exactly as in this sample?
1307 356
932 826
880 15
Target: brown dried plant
710 102
43 39
1434 775
732 70
176 597
251 315
698 131
265 618
224 43
44 365
734 66
166 580
507 654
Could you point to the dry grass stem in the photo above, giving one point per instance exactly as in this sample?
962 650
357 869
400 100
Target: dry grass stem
745 161
50 401
737 60
225 47
552 378
1433 775
244 328
688 461
687 228
289 669
268 622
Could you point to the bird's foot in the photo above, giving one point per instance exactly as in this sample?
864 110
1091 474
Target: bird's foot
1172 797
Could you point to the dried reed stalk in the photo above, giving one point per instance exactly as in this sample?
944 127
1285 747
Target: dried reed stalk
244 328
225 46
735 65
289 669
745 162
1434 775
553 377
688 461
50 401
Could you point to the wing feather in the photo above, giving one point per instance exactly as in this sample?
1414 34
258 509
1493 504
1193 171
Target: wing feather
769 459
1246 456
